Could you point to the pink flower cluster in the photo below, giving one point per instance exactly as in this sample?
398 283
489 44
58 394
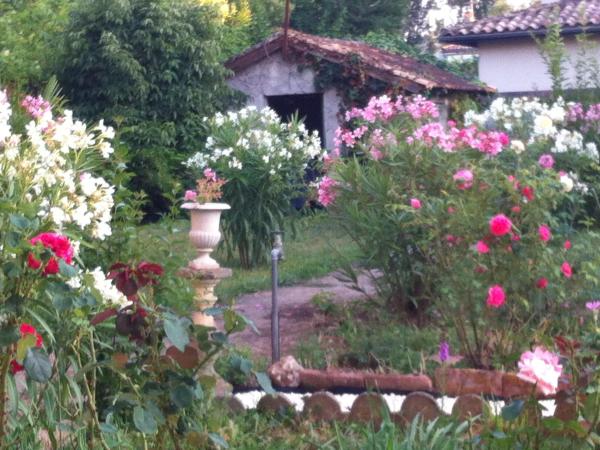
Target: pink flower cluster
577 112
326 191
348 137
210 174
542 368
590 118
384 108
37 107
379 140
453 138
419 108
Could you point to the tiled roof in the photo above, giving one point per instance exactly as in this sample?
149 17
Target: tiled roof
572 15
406 72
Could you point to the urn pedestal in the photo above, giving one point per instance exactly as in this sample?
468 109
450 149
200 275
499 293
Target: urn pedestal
204 232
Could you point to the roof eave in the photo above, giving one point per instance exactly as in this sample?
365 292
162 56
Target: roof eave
473 39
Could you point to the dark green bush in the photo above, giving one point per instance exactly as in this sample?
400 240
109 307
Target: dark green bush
152 68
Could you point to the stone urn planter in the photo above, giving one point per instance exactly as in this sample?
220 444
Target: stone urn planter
204 232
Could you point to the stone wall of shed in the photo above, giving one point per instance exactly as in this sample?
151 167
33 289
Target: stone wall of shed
275 76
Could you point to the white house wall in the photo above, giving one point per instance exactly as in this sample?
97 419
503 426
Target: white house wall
275 76
515 65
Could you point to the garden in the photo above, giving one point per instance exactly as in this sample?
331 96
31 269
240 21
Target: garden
438 278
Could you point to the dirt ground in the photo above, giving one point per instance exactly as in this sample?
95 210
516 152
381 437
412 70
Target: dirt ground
299 318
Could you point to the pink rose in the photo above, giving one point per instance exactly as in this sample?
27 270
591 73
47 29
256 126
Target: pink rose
542 283
566 269
496 296
544 232
482 247
190 196
500 225
546 161
464 177
542 368
567 245
415 203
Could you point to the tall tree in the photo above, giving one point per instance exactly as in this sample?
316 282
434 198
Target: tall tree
417 28
347 18
151 67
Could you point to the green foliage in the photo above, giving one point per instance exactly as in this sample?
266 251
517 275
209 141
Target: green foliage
553 51
248 22
345 18
29 41
151 68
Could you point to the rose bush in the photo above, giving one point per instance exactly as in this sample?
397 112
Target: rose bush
263 160
461 219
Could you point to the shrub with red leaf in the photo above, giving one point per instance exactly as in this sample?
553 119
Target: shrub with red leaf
129 278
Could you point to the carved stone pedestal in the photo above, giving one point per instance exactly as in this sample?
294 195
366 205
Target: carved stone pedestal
204 282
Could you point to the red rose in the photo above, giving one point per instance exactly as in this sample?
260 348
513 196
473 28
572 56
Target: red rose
60 247
26 329
527 192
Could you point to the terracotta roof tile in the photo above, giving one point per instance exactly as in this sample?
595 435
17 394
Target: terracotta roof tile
389 67
572 15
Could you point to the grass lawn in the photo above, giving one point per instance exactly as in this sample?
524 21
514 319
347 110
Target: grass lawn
316 249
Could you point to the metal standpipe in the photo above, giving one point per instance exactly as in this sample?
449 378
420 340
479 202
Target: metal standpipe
276 256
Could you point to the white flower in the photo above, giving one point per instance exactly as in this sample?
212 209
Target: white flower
557 113
107 290
543 125
517 146
106 149
567 182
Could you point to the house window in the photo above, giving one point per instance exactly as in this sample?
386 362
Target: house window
309 108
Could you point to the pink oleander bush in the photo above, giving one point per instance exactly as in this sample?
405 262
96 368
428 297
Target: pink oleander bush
462 225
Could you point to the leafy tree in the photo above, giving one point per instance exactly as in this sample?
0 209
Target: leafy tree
349 17
246 22
29 31
153 69
481 8
417 25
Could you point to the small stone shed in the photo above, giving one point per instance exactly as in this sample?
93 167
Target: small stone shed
284 77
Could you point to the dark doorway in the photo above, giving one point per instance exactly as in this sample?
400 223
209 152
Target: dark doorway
309 108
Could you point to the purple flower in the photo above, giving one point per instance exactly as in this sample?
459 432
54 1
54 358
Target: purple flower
444 351
593 305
